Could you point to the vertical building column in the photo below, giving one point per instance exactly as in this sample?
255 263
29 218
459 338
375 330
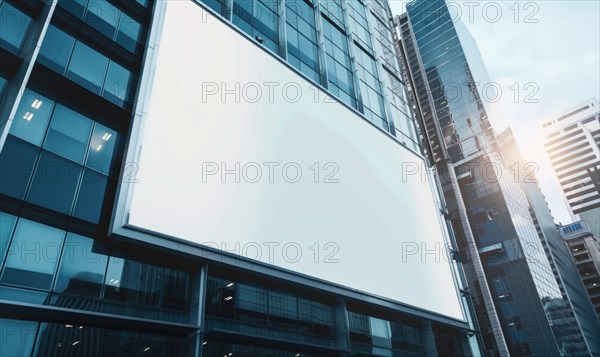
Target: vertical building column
379 64
466 343
29 53
428 339
321 46
196 338
282 19
229 9
342 325
473 254
353 65
458 273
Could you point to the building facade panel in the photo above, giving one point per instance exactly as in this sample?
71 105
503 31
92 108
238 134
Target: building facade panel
572 142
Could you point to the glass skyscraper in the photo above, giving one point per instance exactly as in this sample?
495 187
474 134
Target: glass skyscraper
519 304
77 279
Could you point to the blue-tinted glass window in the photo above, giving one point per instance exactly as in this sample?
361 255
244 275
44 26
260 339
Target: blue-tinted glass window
90 196
7 223
103 16
380 9
101 149
99 342
129 33
14 27
144 3
384 36
3 83
283 305
258 19
82 268
400 111
56 49
148 285
220 6
359 24
333 9
370 88
17 336
75 7
54 183
302 38
33 255
33 115
17 159
406 338
69 134
341 82
87 67
252 298
116 86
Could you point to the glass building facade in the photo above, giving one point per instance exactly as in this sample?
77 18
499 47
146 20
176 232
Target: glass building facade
69 83
344 47
448 81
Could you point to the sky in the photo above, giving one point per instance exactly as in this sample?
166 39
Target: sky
550 50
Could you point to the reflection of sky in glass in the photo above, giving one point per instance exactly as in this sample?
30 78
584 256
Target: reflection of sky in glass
80 263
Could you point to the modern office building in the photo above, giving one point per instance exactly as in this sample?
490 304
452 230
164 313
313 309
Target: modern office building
520 307
574 310
585 251
219 178
572 141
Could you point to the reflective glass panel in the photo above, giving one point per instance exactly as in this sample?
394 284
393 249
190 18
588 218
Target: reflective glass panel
259 19
69 134
17 159
14 27
81 268
87 67
101 149
333 9
302 38
33 255
144 284
91 196
3 83
54 183
7 223
75 7
116 85
103 16
16 337
75 340
56 49
33 115
341 82
129 33
220 6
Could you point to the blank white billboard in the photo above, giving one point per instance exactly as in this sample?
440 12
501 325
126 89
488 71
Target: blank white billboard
240 153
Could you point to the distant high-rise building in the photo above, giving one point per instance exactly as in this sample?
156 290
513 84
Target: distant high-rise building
585 250
520 307
573 313
572 141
